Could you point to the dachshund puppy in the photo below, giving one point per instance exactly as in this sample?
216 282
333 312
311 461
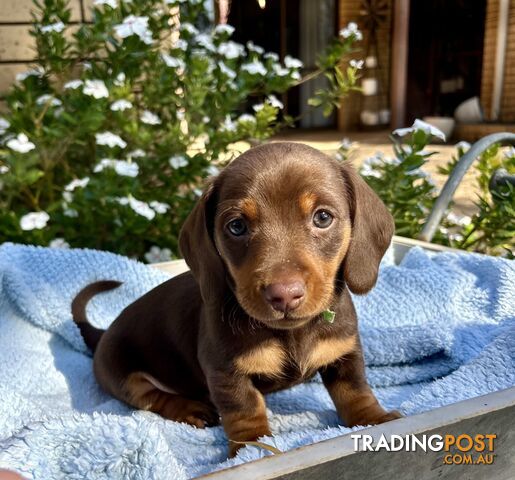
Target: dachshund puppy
277 239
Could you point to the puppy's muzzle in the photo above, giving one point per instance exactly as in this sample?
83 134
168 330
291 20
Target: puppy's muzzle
285 296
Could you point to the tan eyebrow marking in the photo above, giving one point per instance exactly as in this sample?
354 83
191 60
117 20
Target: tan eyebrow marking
249 209
307 202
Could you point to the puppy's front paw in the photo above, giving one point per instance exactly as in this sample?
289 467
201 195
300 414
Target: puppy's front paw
374 416
388 416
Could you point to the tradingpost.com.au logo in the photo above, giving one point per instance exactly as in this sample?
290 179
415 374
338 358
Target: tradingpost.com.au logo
461 449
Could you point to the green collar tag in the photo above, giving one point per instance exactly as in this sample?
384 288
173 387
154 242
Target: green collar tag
328 316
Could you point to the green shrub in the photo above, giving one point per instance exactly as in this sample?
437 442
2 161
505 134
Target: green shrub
410 194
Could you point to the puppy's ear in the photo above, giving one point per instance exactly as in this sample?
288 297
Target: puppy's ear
196 243
372 230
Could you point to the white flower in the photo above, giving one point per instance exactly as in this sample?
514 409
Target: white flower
73 84
224 28
369 165
110 139
77 183
133 25
346 144
120 79
212 170
228 72
231 49
509 152
173 62
271 55
120 105
246 118
157 255
180 115
86 65
68 196
258 107
228 125
159 207
420 125
34 220
252 47
178 161
111 3
70 212
21 144
368 170
351 29
138 153
4 169
464 146
54 27
188 27
121 167
456 237
291 62
280 70
150 118
43 99
141 208
181 44
127 169
254 68
205 41
275 102
462 220
4 125
35 72
295 75
95 88
356 64
59 243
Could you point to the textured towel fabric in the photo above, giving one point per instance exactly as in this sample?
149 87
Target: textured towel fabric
437 329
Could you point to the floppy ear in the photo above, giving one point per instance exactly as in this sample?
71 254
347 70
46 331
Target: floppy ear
372 230
196 243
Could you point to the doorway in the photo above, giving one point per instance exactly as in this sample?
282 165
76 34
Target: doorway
445 55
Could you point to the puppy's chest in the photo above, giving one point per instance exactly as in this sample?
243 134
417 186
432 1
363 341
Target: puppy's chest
286 362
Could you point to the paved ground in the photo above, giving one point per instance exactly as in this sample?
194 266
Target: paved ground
370 142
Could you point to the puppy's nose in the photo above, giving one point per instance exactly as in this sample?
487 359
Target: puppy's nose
285 296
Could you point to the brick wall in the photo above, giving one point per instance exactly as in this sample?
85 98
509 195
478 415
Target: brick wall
507 113
16 45
349 11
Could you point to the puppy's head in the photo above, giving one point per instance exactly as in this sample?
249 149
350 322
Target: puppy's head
286 226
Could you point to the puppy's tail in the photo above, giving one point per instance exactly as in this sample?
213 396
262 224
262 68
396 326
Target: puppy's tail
90 334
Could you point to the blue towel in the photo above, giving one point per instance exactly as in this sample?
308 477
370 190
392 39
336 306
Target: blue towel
437 329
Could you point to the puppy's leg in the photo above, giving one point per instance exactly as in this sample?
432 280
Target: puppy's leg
355 402
141 391
242 408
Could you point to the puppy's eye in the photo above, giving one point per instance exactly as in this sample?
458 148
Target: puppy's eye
322 219
237 227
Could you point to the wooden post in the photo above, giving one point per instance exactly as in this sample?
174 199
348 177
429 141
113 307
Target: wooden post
399 55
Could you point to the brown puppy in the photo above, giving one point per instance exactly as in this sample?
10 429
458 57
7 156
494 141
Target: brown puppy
280 236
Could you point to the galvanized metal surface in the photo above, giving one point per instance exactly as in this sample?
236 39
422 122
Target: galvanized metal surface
336 458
